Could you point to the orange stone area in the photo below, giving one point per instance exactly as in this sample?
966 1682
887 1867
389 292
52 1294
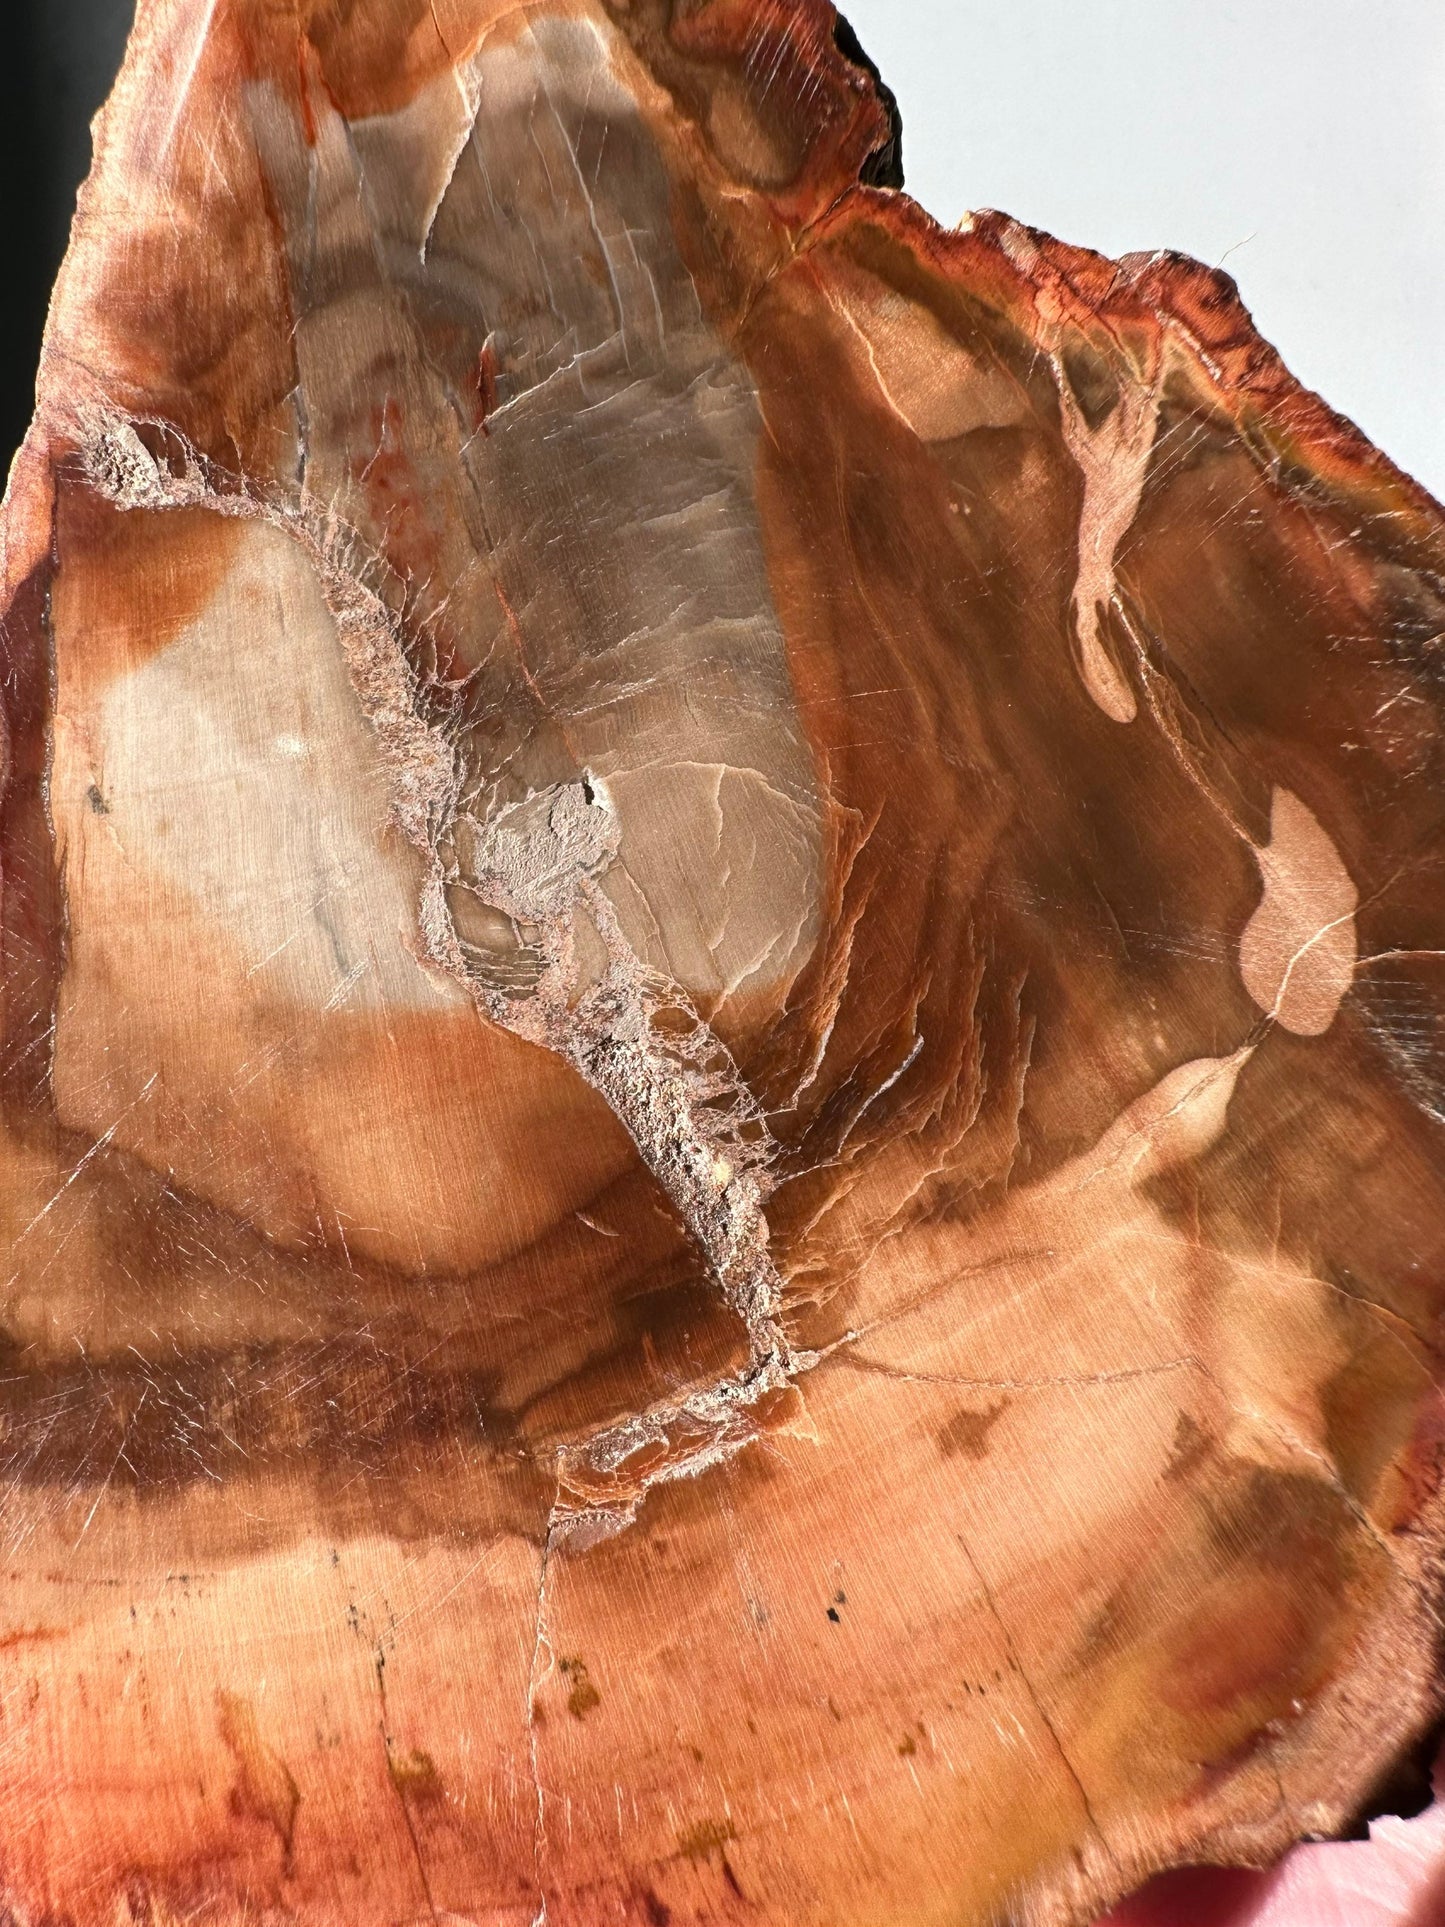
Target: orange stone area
721 1054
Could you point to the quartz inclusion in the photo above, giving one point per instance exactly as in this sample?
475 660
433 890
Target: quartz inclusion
722 1069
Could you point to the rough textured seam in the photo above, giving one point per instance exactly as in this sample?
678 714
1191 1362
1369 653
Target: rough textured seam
607 1035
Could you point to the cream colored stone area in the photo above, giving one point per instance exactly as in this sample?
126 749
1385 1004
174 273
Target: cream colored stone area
1298 951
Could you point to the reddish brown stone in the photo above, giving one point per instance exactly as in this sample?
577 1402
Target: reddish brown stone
722 1072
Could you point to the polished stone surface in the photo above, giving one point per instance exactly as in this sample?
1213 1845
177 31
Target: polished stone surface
723 1080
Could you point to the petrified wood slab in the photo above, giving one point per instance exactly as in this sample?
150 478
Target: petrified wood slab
722 1074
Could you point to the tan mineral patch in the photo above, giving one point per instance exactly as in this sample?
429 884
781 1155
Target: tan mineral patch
1298 951
1182 1117
1113 457
928 378
264 1788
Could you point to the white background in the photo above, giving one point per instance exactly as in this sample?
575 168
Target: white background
1300 143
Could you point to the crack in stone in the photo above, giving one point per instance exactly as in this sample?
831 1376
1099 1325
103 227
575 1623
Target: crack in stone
632 1035
407 1821
1060 1381
1035 1700
534 1682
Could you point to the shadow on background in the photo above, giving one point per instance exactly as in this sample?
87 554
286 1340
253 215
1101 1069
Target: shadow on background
60 59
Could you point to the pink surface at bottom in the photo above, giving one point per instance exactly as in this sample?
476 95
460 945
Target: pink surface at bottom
1396 1878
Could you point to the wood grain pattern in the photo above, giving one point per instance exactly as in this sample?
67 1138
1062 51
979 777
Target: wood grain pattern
722 1068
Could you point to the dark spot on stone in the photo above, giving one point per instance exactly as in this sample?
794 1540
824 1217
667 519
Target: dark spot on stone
1287 1522
415 1778
96 801
967 1431
834 1615
907 1746
705 1839
584 1697
658 1914
1192 1445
